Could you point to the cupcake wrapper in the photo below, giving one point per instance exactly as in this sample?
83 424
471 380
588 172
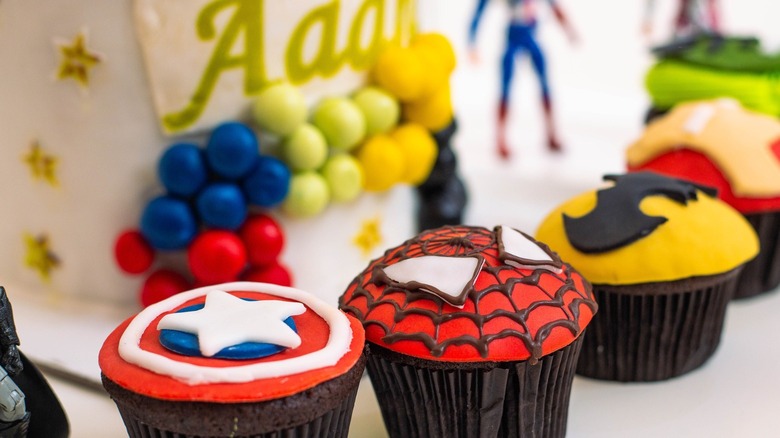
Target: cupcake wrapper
762 274
654 336
334 423
429 399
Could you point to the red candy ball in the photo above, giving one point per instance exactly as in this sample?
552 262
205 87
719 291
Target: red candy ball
263 238
132 252
274 273
216 256
162 284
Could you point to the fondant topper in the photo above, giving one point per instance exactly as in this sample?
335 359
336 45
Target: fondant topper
521 38
692 17
617 220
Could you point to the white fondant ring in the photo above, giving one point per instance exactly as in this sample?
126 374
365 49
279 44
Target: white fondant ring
337 345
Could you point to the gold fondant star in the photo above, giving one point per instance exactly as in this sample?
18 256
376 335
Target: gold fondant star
42 166
77 60
39 256
369 236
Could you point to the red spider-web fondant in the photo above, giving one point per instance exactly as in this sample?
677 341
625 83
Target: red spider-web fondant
512 313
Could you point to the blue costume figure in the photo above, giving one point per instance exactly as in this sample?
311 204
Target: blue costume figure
521 38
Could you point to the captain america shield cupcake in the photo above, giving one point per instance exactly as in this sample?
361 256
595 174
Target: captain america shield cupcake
236 359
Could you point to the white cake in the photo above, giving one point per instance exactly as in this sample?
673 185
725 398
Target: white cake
94 91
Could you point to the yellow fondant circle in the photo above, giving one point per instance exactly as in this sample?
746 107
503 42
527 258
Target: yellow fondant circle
704 237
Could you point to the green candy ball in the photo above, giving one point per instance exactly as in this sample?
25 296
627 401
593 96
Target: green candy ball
344 176
305 148
341 122
279 109
308 195
380 109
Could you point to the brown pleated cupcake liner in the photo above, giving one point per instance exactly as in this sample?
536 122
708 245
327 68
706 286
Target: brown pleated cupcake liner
334 423
322 411
421 398
762 274
657 331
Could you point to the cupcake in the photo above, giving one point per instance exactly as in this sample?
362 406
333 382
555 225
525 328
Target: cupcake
722 145
663 256
236 359
471 332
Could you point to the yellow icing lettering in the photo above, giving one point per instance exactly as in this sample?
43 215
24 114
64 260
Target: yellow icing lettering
325 61
247 19
358 57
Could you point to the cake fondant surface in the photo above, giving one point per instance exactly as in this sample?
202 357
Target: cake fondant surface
94 96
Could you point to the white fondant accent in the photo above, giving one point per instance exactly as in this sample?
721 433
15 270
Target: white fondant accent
698 120
518 245
450 275
226 320
338 341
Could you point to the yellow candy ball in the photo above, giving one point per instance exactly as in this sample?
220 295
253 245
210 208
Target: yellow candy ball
419 149
401 72
434 112
437 46
383 163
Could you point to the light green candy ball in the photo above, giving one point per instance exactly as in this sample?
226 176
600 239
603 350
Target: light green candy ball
308 195
380 109
341 122
344 175
279 109
305 148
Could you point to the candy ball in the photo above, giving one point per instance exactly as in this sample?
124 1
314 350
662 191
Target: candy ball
419 150
279 109
182 169
305 148
133 253
221 205
232 150
433 112
380 109
216 256
383 163
344 176
162 284
401 72
341 122
437 48
308 195
263 239
268 183
168 223
274 273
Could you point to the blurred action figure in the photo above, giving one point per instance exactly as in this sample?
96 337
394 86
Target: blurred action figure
693 17
520 38
38 414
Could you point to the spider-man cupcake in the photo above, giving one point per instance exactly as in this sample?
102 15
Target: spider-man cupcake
471 332
236 359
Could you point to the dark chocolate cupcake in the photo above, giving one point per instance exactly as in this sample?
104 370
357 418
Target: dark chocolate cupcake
191 366
737 151
471 332
664 256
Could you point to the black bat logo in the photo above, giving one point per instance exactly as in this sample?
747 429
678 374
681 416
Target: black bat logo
616 220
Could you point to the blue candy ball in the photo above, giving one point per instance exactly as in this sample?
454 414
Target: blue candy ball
268 183
221 205
167 223
182 169
232 150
